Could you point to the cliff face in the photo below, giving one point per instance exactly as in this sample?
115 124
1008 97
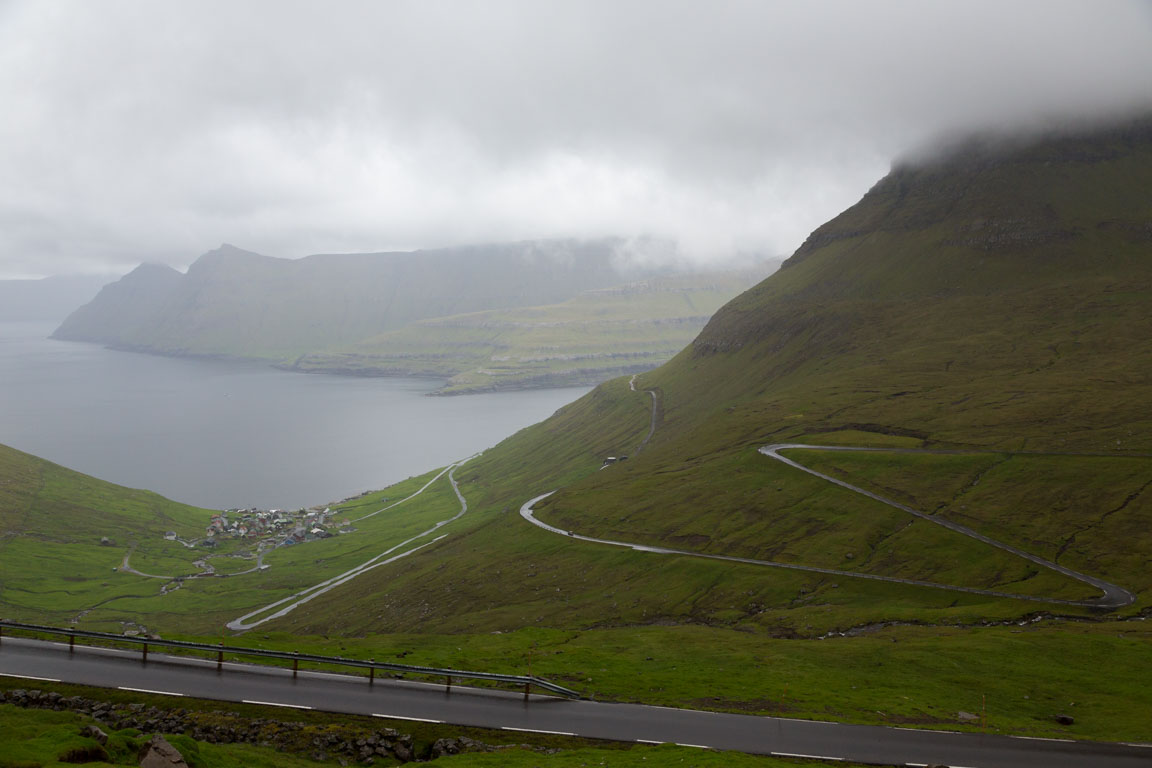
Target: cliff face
126 310
241 304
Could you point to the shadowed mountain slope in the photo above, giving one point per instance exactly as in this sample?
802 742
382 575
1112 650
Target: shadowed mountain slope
236 303
586 340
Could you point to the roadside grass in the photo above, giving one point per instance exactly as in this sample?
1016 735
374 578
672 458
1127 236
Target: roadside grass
37 737
1021 674
34 738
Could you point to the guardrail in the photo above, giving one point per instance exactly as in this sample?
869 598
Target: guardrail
295 657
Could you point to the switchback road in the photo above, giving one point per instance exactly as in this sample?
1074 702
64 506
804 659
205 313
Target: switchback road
1113 596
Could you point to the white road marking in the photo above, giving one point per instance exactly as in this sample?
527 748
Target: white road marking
535 730
696 746
1041 738
31 677
403 717
649 741
146 690
810 757
275 704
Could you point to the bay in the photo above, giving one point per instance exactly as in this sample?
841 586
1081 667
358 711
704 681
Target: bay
225 434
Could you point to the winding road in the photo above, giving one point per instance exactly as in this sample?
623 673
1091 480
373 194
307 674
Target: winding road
1112 595
290 603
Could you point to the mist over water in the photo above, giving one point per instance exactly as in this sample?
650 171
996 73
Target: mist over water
225 434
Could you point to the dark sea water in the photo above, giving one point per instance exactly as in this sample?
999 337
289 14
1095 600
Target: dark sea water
225 434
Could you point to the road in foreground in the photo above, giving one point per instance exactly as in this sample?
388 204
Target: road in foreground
33 659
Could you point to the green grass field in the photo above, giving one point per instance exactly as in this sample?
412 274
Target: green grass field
36 738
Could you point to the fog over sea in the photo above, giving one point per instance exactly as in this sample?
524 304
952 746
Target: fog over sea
228 434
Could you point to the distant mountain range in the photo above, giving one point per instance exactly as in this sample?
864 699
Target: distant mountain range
328 312
584 340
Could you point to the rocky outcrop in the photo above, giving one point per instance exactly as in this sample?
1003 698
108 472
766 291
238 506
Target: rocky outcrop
158 753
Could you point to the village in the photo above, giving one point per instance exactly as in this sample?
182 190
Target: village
274 527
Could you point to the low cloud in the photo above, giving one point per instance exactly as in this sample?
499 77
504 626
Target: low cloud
139 131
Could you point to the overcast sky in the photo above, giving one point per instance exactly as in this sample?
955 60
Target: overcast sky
145 131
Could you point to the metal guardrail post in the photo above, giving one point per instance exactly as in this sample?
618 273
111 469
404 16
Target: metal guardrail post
145 656
295 665
448 687
371 672
71 642
220 658
527 690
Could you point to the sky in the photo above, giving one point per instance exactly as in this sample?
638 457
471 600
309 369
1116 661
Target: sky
143 131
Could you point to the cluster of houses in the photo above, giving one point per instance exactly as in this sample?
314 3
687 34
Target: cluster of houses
276 526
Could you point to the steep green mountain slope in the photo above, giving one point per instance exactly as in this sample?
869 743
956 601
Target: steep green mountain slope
996 300
236 303
593 337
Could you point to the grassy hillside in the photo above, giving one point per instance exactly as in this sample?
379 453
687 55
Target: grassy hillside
53 566
996 302
595 336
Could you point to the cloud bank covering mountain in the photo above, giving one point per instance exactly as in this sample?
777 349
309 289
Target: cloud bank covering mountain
136 132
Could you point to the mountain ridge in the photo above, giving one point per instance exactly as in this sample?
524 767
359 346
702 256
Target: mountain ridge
321 313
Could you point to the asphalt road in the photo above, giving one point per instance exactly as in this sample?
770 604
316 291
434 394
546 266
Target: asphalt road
30 659
1113 595
290 603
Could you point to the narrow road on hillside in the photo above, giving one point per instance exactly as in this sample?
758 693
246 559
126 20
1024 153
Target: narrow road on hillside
39 662
655 412
1114 596
290 603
